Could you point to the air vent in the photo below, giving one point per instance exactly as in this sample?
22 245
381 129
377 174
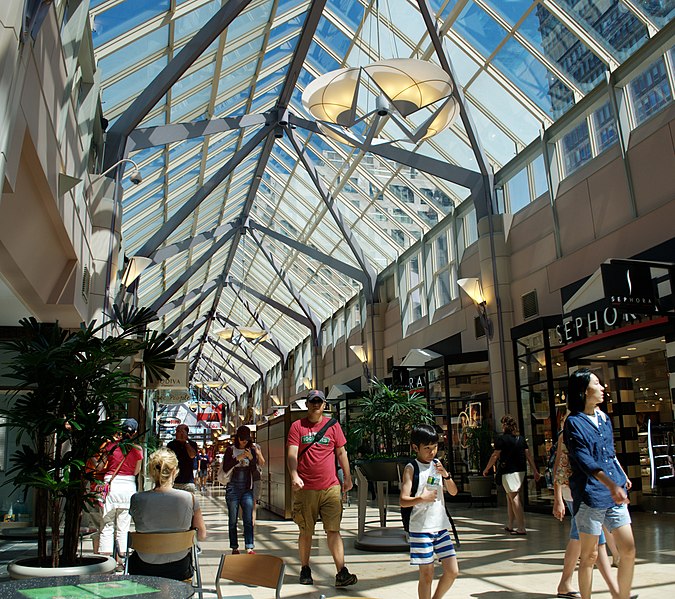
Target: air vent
530 304
86 280
390 364
478 328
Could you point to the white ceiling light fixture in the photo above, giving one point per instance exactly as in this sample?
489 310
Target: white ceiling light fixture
417 95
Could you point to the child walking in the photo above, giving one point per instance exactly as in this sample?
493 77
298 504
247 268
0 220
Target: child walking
429 523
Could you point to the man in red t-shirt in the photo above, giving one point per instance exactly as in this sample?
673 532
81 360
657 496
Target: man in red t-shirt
317 490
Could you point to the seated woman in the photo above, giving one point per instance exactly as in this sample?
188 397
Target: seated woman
165 509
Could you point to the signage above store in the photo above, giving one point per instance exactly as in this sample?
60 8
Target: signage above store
176 379
629 287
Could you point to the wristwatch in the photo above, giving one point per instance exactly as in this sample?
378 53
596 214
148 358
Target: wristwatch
448 477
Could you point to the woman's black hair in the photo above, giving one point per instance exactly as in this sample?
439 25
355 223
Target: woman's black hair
423 434
576 390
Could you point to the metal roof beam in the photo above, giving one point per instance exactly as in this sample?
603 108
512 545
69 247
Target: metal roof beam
191 270
186 210
345 230
162 83
314 324
224 368
248 362
150 137
485 202
190 242
334 263
186 313
200 292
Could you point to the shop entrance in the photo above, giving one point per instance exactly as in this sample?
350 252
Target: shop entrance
639 402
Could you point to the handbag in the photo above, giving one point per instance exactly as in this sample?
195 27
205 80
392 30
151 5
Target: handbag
225 477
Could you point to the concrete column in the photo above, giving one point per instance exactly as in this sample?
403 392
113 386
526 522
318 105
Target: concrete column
495 274
374 340
670 357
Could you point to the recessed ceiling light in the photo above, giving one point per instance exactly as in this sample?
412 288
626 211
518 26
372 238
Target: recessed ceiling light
623 357
637 378
601 356
631 348
663 339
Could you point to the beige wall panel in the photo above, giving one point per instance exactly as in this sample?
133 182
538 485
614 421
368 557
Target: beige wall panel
469 265
532 258
10 15
340 357
637 236
26 219
653 168
610 200
549 302
531 225
575 218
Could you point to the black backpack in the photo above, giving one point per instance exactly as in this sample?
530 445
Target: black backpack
406 511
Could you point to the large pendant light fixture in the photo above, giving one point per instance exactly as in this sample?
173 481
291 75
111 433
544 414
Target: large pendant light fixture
407 89
416 94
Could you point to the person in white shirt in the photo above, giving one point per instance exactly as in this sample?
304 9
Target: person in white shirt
429 523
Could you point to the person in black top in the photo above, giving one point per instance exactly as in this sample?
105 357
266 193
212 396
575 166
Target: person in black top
241 459
513 454
185 450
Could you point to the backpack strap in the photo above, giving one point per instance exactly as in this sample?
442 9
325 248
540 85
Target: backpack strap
318 436
415 478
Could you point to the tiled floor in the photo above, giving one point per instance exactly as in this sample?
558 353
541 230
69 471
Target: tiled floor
493 565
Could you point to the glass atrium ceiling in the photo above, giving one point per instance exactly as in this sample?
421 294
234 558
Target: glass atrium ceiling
521 64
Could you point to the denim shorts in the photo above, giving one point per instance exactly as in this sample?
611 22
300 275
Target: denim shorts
574 531
590 520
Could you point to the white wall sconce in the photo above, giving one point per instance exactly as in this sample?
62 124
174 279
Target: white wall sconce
472 287
133 269
361 353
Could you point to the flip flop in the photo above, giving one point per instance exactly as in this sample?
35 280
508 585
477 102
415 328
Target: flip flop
507 529
523 533
570 595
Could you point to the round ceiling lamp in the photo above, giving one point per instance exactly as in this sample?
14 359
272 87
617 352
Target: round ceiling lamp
407 88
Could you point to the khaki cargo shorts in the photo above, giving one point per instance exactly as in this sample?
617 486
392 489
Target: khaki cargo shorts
309 504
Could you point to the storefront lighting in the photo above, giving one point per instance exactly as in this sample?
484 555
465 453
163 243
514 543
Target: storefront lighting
362 355
472 287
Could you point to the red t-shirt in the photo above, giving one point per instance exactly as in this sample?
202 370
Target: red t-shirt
317 466
128 468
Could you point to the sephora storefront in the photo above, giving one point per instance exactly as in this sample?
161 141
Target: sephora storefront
633 354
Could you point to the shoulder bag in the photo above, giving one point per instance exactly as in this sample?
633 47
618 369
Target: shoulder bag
319 435
225 477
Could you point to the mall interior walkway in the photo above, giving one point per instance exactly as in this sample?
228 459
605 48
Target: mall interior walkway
493 565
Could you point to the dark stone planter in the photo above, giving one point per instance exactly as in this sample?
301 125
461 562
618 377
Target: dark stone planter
480 486
382 469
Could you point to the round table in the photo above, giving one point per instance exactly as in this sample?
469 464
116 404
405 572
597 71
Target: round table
93 587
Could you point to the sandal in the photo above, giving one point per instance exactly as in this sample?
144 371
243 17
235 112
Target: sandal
521 533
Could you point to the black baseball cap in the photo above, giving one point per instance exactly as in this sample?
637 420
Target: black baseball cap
315 396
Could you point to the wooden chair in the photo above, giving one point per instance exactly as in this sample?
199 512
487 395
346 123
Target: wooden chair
167 542
255 570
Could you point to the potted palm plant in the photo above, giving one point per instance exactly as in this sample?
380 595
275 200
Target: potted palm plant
73 386
387 416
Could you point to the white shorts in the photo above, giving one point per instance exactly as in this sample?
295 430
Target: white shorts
512 481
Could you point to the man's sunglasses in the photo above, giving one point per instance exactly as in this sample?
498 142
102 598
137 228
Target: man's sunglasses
315 400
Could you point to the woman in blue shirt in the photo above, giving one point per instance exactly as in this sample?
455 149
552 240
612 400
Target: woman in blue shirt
598 483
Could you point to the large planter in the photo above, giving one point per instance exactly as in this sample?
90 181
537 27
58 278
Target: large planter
91 564
480 486
382 469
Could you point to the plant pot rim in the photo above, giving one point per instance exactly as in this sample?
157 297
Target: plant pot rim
98 564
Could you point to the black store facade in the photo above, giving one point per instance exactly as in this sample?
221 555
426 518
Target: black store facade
619 323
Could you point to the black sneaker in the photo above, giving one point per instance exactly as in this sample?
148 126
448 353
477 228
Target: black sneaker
306 575
343 578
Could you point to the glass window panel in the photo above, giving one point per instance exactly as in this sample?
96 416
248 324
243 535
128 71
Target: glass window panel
193 80
197 101
132 84
119 19
534 79
189 24
539 174
660 11
249 20
519 191
650 91
612 22
134 52
443 288
480 29
561 46
576 148
604 127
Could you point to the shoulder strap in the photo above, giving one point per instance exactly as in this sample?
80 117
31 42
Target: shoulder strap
119 466
415 478
318 436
